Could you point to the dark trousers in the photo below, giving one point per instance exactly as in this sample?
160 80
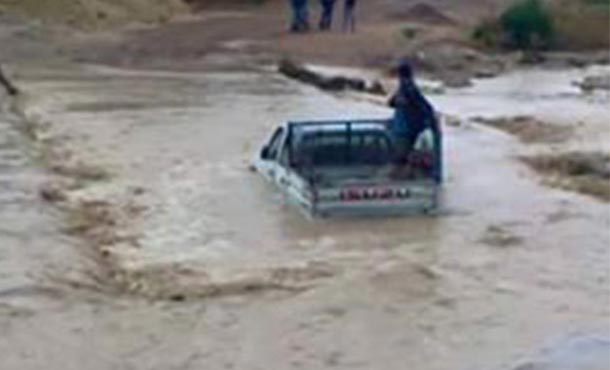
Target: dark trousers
326 19
300 16
349 16
405 143
438 154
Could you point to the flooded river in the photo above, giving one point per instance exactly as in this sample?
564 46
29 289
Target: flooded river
508 268
34 254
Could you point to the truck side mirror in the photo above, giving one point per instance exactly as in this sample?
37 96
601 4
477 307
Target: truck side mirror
265 153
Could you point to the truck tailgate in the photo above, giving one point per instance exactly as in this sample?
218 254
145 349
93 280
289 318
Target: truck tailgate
376 198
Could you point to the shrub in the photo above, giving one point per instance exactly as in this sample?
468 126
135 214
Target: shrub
527 24
409 32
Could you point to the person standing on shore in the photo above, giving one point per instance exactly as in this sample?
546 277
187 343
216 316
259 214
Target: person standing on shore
326 20
300 16
349 16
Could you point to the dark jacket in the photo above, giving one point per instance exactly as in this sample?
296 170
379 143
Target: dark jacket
413 111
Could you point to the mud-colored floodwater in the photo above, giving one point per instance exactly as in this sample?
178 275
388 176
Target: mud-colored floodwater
508 267
34 254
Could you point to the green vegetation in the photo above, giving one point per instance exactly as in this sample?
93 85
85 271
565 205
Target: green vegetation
534 25
409 32
527 25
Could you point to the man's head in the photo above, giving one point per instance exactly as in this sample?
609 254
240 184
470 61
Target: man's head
404 70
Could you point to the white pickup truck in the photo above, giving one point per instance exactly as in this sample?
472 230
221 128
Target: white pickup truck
349 168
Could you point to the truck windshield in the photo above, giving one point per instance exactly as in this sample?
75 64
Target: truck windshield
341 148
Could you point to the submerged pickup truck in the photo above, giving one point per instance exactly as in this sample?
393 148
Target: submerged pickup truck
348 168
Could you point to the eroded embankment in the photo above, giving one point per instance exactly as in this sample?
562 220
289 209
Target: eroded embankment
584 171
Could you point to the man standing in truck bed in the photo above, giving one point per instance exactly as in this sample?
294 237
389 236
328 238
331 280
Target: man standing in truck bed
413 115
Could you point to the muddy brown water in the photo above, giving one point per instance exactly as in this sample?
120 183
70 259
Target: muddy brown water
34 252
422 292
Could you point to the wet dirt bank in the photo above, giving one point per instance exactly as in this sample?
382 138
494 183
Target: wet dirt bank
584 172
509 266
